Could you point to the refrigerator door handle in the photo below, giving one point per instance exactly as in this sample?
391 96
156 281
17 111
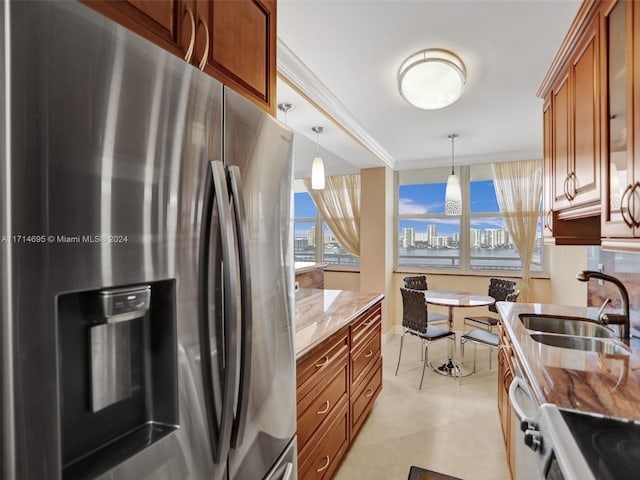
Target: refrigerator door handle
216 193
235 184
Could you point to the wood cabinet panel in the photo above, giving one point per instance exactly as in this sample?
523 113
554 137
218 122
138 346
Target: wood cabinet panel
310 371
365 357
328 447
366 323
314 409
159 21
363 398
345 370
232 40
561 167
584 185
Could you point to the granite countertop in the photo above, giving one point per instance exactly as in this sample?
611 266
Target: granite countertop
321 313
301 267
606 384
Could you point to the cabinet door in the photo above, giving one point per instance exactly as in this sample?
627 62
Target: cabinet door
617 120
584 180
242 46
560 153
547 128
164 22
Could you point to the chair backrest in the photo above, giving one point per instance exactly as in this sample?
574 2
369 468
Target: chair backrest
416 283
414 313
500 289
512 297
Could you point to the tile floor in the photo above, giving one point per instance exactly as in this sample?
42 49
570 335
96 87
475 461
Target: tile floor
445 427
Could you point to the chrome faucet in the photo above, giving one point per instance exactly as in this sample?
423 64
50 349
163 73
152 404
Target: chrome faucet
622 319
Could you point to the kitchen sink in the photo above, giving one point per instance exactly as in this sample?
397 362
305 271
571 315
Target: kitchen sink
581 343
565 326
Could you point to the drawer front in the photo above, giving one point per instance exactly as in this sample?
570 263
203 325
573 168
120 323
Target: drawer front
315 409
368 321
365 357
321 361
322 461
364 397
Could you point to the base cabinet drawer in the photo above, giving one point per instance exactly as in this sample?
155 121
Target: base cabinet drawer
314 409
363 358
324 458
363 398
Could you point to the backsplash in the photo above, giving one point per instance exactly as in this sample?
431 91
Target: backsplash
626 267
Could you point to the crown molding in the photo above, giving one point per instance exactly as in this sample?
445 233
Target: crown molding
293 71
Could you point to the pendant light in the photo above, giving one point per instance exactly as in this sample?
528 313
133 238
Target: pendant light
453 196
285 108
317 167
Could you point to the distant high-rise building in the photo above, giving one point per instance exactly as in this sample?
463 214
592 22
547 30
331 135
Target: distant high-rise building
432 232
311 237
476 238
408 237
300 243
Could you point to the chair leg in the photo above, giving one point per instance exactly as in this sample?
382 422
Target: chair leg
400 352
424 364
461 351
475 347
490 351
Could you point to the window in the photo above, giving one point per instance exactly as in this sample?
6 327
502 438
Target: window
478 241
313 240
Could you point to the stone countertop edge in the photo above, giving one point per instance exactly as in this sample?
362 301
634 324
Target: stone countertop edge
590 382
322 313
308 267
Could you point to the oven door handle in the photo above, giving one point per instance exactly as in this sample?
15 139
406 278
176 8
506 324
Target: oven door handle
526 423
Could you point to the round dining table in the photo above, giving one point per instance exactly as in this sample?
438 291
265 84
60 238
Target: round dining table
453 299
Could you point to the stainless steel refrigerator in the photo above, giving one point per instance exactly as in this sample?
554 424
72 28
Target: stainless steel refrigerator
146 261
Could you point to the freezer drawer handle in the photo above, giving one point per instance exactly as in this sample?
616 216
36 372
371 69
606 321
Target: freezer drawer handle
327 461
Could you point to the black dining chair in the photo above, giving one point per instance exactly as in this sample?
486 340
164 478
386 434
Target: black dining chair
419 282
502 291
414 321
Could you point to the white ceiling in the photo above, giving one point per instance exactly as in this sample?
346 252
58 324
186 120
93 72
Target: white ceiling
344 56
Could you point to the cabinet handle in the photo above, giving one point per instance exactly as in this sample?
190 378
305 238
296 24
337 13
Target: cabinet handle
192 41
624 208
322 362
564 187
548 218
203 61
327 461
368 354
323 410
632 210
574 183
368 393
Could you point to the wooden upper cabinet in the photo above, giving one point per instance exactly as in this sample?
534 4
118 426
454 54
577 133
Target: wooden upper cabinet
242 46
547 128
234 41
620 168
561 163
159 21
576 135
584 184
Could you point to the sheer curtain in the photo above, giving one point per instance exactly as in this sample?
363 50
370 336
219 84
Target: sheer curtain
518 187
339 207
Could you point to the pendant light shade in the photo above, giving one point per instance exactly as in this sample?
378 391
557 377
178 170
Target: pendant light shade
317 167
453 195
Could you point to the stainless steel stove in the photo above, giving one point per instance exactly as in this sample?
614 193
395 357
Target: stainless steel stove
583 446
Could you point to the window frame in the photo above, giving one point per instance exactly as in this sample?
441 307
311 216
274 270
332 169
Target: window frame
464 268
319 236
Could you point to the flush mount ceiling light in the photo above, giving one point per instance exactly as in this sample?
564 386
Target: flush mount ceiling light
453 196
317 167
432 78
